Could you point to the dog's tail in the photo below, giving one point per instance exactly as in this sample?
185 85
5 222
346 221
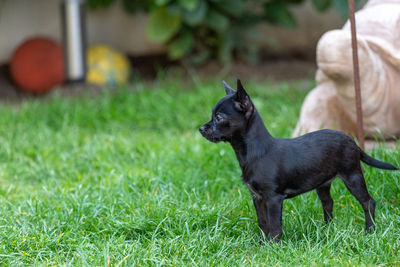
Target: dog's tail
376 163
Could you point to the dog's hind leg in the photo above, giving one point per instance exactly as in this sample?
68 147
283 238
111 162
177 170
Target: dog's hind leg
324 194
355 183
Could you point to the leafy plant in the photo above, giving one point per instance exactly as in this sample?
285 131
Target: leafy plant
204 29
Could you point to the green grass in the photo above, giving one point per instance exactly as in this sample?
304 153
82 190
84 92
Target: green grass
124 178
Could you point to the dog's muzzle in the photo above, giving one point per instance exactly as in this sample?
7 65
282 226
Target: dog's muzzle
202 129
207 133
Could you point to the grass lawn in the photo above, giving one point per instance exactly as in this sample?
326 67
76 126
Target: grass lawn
124 178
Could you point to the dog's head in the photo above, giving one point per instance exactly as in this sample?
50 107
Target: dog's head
229 116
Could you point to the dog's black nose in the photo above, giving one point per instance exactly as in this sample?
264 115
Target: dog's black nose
202 129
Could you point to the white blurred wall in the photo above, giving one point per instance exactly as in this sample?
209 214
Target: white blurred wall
21 19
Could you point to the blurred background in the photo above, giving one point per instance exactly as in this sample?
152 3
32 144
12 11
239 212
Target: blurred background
128 38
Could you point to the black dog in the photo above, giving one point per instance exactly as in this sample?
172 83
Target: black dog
275 169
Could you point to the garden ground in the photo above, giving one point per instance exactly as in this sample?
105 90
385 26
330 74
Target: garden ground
124 178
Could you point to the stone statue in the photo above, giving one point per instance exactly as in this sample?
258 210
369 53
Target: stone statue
332 103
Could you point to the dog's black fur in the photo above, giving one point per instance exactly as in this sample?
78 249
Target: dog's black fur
275 169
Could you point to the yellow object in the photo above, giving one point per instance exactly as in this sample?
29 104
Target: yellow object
106 66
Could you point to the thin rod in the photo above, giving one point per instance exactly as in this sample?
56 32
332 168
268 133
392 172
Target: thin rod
356 72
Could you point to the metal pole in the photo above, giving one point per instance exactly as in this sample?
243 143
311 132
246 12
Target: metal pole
356 72
73 22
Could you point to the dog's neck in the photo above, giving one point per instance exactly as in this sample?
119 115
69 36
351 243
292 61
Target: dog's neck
251 143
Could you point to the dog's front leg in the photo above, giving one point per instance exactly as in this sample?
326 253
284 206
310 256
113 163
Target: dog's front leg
274 203
261 210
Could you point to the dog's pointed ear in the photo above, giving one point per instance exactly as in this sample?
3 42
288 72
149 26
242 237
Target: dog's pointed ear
241 93
242 100
228 89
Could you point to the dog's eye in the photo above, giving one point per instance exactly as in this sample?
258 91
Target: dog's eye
218 118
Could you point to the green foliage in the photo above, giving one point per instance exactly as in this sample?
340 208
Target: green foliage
163 24
125 179
341 6
321 5
180 45
217 21
217 28
278 13
135 6
189 5
95 4
196 15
